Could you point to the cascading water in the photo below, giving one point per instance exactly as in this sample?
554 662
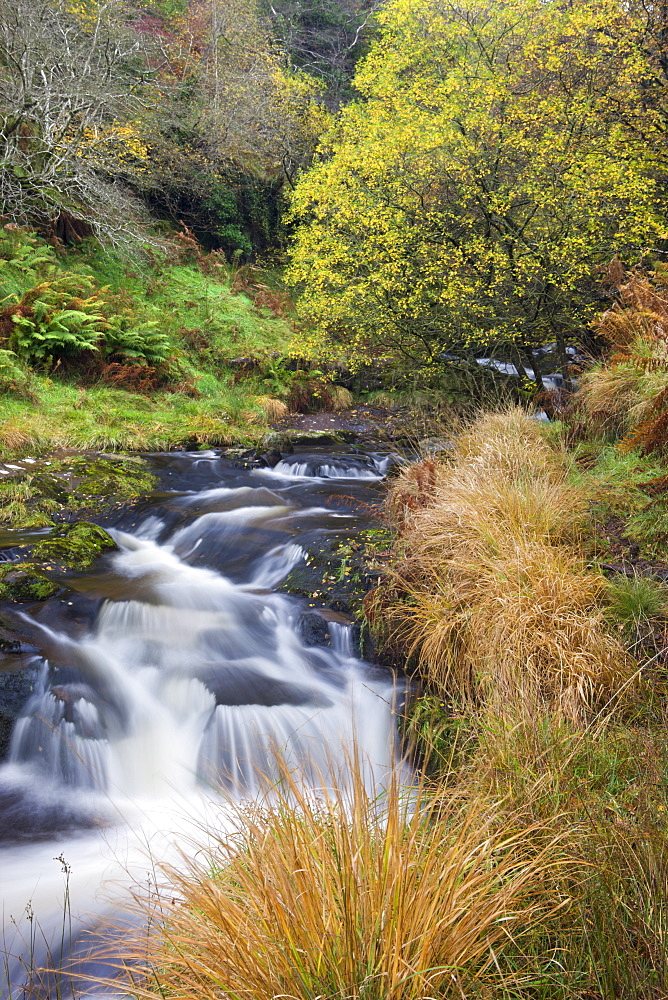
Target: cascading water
192 676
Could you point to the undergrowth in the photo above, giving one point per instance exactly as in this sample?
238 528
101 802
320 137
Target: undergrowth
102 352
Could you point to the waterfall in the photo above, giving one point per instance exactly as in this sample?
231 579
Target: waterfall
193 678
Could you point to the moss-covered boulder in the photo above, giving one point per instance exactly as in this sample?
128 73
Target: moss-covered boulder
26 581
68 547
80 483
73 546
112 477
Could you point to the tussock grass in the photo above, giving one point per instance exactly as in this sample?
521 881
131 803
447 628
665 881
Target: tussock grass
340 397
635 600
511 629
602 787
489 593
628 391
342 896
510 441
274 409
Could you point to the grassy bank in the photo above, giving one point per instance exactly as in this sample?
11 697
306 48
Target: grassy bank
526 589
173 347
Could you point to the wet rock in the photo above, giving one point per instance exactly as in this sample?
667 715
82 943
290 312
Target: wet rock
27 583
67 547
240 454
271 458
302 437
28 817
16 688
74 546
245 686
313 629
280 441
433 446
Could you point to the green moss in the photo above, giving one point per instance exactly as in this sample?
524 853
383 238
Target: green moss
76 483
114 479
68 547
26 581
22 505
74 546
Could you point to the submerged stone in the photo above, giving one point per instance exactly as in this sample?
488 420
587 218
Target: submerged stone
17 685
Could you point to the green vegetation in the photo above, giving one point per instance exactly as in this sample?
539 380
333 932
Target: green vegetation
496 161
138 354
36 577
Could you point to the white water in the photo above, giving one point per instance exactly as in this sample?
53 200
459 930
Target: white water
364 467
189 682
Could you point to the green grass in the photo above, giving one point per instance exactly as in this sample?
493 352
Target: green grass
192 305
198 309
629 499
108 419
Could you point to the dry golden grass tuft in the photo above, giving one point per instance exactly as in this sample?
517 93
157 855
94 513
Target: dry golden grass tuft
400 898
341 398
627 393
13 438
488 592
510 442
274 409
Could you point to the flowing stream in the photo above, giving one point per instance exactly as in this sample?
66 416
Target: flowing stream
174 669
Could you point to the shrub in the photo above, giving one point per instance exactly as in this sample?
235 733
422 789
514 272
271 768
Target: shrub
628 392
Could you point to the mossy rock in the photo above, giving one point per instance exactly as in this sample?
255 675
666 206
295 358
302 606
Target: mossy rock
76 483
74 546
26 582
107 476
68 547
46 486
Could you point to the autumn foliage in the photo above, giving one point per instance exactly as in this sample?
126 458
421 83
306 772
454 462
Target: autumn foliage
627 392
464 202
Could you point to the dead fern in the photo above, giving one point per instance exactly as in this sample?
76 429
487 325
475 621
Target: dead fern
628 392
275 301
138 378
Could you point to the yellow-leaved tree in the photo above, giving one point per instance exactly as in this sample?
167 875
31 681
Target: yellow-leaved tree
466 200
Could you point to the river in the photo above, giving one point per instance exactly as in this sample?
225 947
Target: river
167 679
